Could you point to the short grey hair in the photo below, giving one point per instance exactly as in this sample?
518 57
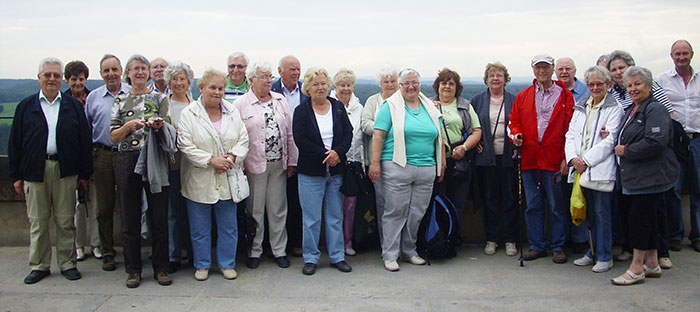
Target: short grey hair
404 72
386 71
597 71
51 61
638 71
236 55
279 64
603 58
256 67
109 56
622 55
135 57
179 67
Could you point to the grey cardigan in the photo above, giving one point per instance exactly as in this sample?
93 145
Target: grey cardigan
649 160
154 158
482 104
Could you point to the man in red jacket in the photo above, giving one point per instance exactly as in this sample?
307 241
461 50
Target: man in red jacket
538 122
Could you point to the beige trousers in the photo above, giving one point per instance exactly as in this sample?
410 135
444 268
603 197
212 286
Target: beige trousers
55 196
268 195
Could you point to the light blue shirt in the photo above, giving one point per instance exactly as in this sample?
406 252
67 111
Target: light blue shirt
98 110
580 90
50 110
293 98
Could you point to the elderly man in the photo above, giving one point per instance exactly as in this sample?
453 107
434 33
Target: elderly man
683 90
538 122
566 73
98 109
48 159
158 66
237 84
289 86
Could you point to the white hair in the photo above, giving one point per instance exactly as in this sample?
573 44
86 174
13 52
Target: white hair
404 72
236 55
51 61
176 68
256 67
386 71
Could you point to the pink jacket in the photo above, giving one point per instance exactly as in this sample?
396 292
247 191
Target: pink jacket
252 116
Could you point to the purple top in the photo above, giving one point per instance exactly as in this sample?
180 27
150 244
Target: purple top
544 103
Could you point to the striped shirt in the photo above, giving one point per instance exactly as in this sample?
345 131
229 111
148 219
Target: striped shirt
657 92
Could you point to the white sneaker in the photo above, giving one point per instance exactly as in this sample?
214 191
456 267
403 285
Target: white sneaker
201 274
665 263
350 252
391 265
79 254
511 250
97 252
602 266
228 273
584 261
490 248
416 260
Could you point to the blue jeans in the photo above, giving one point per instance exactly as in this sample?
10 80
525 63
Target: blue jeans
200 230
178 226
598 214
691 171
538 184
321 196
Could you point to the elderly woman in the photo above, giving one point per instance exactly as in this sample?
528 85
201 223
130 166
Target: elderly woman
591 156
344 84
135 115
271 158
213 140
462 131
387 78
407 154
494 160
648 168
179 77
323 134
618 62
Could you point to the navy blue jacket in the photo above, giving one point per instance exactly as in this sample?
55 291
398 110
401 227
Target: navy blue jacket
307 138
482 104
27 148
277 87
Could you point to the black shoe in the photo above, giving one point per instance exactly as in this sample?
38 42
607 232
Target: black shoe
309 269
253 262
696 245
108 263
35 276
71 274
579 248
173 267
342 266
282 262
675 245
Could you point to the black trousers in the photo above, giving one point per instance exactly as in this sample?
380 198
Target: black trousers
294 232
500 186
129 188
643 222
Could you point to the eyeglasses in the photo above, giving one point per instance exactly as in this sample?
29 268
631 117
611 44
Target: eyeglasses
410 83
239 66
54 75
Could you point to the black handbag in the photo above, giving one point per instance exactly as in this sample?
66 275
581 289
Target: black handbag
458 169
355 181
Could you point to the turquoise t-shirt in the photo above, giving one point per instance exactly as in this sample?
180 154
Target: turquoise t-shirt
419 134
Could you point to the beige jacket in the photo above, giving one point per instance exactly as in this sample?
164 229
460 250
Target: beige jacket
199 142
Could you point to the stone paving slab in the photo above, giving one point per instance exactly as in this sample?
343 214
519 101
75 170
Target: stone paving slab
470 282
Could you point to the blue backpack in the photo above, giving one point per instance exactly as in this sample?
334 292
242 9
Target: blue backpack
439 232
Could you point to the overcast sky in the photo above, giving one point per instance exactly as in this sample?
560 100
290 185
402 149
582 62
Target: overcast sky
360 35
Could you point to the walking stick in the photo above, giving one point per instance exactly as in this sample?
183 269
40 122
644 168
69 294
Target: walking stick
520 207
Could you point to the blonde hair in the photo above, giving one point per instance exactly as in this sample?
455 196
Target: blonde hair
208 75
496 66
311 74
344 75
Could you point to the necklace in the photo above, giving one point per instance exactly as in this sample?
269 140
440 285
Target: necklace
414 112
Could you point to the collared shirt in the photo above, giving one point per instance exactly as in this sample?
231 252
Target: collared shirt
87 92
293 98
51 114
232 91
98 109
684 99
580 90
131 106
544 103
658 92
155 88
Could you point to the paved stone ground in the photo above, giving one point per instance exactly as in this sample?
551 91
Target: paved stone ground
470 282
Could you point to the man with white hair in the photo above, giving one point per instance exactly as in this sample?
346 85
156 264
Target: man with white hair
158 66
237 84
48 159
683 90
566 73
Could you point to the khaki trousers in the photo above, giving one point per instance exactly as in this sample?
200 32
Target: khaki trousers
55 196
268 195
105 188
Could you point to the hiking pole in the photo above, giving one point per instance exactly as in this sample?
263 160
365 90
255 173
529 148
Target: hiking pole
516 158
590 237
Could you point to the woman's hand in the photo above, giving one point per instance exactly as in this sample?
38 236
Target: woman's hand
156 124
220 163
579 164
620 150
374 172
458 152
332 158
604 133
480 147
134 124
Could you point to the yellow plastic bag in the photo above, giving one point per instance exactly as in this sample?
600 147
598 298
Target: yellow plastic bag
578 202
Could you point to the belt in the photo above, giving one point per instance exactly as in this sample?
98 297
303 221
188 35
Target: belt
693 135
52 156
106 148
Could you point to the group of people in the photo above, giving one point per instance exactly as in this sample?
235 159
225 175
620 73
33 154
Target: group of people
181 166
